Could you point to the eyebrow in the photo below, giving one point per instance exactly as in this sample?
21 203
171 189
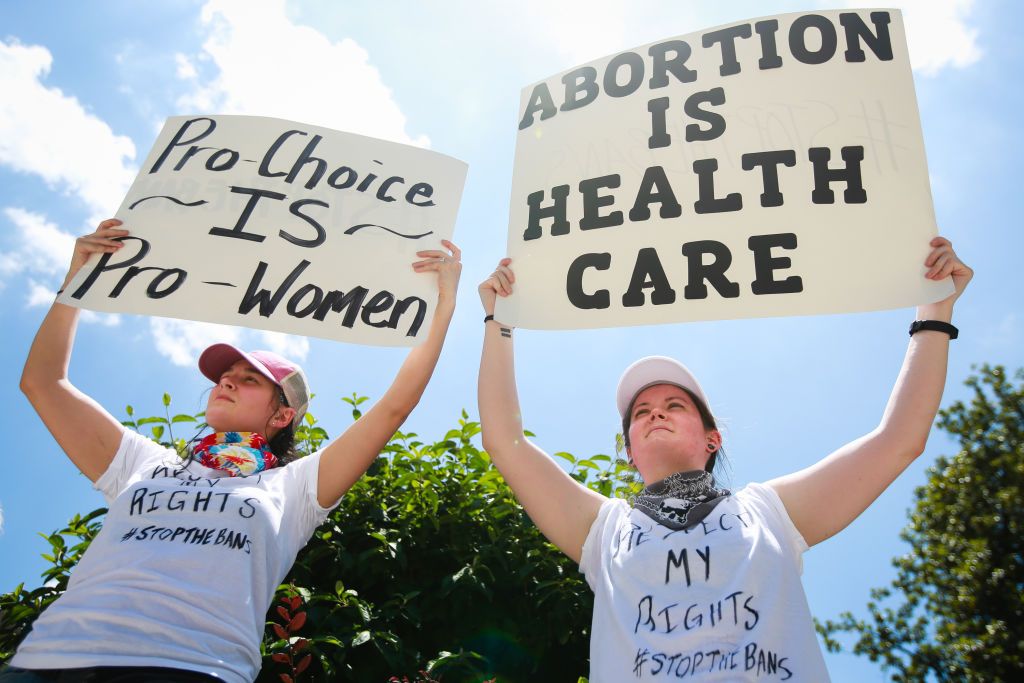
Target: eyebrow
248 370
670 398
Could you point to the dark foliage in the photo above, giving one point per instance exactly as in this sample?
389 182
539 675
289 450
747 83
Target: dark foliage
955 612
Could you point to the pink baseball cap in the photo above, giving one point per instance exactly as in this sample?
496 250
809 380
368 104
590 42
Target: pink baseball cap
653 370
216 359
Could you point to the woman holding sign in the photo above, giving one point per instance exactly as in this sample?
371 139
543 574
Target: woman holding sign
691 579
177 584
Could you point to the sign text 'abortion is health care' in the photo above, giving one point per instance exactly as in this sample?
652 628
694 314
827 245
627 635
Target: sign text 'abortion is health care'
770 167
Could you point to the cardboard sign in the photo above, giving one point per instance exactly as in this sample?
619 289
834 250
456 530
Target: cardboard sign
770 167
281 226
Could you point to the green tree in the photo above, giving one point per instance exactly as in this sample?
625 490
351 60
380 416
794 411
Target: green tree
955 611
428 569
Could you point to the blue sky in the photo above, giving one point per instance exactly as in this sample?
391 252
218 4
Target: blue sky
85 87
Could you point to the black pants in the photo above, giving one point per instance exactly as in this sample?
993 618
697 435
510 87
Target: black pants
104 674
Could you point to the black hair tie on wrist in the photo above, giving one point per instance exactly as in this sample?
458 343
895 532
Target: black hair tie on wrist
488 318
934 326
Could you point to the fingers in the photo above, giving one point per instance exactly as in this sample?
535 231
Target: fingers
454 253
501 280
937 251
941 266
450 246
505 277
503 284
942 263
105 239
436 263
433 259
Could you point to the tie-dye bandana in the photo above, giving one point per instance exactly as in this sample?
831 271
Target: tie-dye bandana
237 453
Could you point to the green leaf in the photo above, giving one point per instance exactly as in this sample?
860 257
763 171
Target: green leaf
167 400
360 638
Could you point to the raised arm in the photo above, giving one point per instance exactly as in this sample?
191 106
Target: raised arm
825 497
562 508
346 458
88 434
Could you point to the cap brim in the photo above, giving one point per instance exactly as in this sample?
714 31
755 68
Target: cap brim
653 370
216 359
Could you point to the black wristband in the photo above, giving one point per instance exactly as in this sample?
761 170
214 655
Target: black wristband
935 326
488 318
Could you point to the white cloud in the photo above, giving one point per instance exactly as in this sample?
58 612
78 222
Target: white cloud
42 247
39 294
254 51
42 255
181 341
580 30
185 70
47 133
288 345
104 319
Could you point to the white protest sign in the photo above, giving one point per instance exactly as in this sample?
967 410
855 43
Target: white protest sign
770 167
280 226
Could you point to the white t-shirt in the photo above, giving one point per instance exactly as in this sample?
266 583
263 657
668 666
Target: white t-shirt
184 569
720 602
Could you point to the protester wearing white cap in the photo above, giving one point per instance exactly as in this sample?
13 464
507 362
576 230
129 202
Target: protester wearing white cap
692 580
177 584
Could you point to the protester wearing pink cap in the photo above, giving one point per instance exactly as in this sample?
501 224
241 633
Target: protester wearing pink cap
692 580
177 584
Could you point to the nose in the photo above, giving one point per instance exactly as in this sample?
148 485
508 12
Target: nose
657 414
226 382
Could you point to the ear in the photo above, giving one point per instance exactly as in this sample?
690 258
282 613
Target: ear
283 417
715 437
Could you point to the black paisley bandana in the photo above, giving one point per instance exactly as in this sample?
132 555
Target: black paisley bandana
680 501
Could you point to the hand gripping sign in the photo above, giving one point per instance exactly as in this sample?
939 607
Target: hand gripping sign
770 167
279 226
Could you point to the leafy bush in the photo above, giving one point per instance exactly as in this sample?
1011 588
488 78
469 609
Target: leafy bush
427 570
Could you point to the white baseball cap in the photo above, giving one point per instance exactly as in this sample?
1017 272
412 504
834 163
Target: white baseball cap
653 370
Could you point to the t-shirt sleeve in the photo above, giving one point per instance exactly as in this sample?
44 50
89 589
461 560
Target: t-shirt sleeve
307 513
773 508
135 454
590 558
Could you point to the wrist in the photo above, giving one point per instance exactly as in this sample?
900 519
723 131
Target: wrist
445 302
941 311
934 326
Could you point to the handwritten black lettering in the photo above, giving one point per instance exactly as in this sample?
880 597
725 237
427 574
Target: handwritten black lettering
311 299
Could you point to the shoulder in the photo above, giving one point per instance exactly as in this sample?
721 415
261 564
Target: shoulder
764 502
610 515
